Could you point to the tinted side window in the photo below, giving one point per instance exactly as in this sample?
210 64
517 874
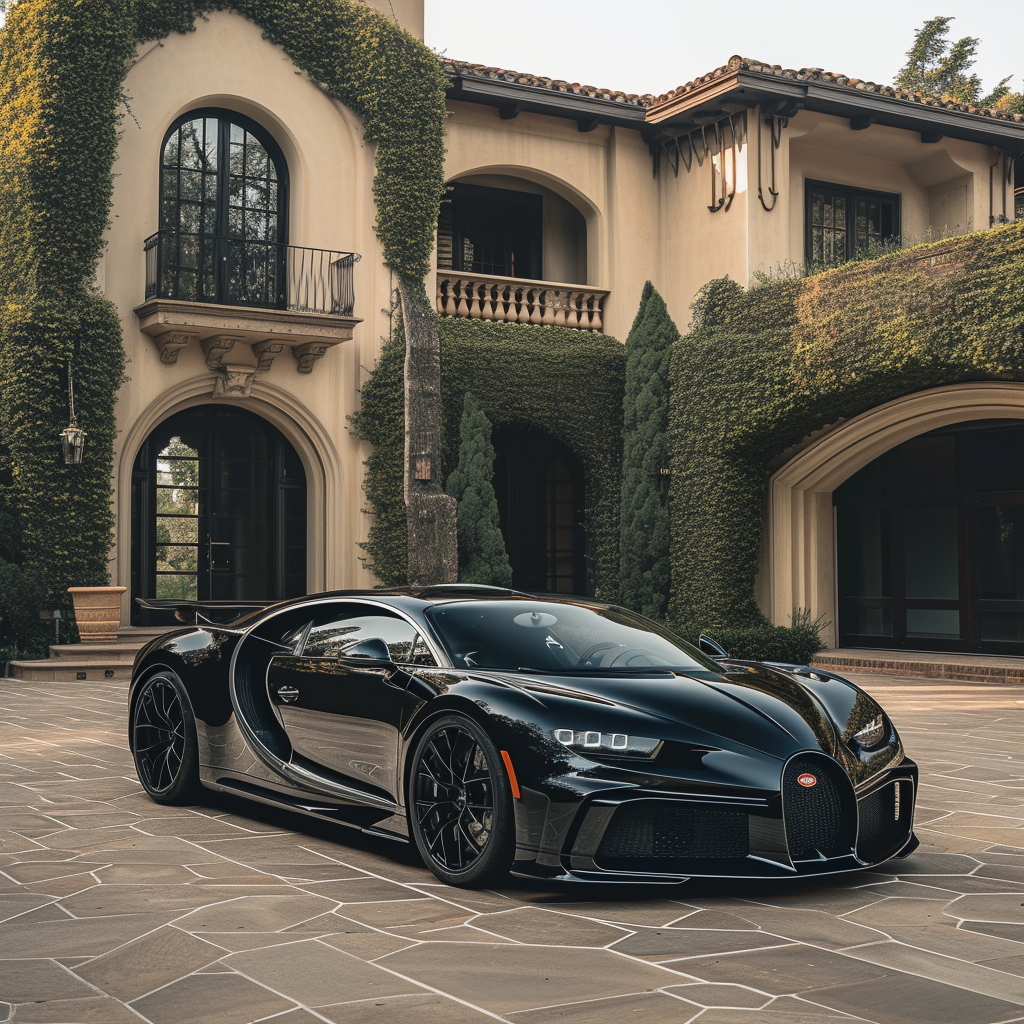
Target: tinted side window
332 637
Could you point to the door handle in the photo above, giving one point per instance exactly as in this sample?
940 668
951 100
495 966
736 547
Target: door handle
288 694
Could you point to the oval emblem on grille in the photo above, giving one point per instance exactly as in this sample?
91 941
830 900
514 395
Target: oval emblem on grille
807 780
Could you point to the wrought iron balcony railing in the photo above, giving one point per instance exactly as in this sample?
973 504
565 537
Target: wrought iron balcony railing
516 300
249 272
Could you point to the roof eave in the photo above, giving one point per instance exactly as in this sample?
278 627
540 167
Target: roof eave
518 98
749 89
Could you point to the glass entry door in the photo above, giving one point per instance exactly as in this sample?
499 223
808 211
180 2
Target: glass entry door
930 543
218 511
539 489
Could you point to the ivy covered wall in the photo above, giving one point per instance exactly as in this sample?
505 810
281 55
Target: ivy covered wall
62 68
565 382
763 369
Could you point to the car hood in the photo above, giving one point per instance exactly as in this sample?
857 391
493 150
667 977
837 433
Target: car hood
744 706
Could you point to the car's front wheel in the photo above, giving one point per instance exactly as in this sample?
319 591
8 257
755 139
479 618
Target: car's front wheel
460 804
163 740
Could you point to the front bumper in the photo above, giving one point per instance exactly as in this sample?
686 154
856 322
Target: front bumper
608 831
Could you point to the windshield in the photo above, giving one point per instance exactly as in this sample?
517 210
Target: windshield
551 636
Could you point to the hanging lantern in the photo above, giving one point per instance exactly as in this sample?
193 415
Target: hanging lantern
72 437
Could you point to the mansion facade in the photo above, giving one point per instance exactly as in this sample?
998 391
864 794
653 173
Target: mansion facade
254 297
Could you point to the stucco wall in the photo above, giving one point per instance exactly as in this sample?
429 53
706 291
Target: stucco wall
226 63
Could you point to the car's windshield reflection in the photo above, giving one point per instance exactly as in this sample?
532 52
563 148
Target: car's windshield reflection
551 636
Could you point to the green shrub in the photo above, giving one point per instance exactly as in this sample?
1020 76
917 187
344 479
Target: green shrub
482 555
644 545
796 644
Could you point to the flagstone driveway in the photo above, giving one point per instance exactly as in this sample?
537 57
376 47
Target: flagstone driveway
113 909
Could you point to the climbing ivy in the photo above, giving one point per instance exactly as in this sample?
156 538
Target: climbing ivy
763 369
564 382
62 69
61 66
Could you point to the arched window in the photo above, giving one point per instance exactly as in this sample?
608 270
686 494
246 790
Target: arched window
223 212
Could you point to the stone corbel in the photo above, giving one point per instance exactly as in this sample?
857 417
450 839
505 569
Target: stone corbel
216 348
264 351
171 343
306 355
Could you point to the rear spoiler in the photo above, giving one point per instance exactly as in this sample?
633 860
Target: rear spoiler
203 613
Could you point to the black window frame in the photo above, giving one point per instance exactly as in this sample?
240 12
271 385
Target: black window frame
226 117
490 213
851 194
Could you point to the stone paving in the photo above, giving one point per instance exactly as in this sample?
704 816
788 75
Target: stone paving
113 909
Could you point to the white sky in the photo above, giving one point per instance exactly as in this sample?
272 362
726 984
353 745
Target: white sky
655 45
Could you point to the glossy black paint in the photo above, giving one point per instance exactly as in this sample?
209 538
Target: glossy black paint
333 737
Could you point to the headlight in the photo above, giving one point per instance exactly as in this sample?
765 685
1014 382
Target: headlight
872 734
616 743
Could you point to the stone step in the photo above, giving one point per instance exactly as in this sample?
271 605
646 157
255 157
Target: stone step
89 661
69 670
98 652
987 668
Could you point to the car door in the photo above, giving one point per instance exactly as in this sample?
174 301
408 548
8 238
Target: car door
340 697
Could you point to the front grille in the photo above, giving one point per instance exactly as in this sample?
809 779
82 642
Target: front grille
881 832
658 835
819 818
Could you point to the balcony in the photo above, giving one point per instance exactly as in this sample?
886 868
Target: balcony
516 300
243 301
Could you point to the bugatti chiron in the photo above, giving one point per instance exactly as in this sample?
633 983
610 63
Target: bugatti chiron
500 731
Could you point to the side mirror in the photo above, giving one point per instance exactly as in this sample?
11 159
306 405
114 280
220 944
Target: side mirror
712 647
371 649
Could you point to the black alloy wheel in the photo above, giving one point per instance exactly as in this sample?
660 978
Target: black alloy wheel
163 741
460 805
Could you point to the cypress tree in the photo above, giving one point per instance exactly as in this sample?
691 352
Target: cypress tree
482 555
644 539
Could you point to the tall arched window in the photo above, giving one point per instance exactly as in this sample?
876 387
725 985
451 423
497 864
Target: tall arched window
223 212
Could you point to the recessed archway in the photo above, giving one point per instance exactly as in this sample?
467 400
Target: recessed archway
800 530
218 512
316 450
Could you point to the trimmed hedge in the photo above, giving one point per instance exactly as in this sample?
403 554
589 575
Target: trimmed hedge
646 577
762 369
482 555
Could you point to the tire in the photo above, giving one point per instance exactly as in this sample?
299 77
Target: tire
163 740
460 804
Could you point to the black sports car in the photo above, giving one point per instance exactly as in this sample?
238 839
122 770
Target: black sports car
557 738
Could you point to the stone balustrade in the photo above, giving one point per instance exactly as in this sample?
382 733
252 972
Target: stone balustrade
517 300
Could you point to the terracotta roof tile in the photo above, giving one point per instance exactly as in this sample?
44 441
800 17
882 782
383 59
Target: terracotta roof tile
736 63
461 67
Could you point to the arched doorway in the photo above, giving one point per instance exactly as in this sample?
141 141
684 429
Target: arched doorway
218 511
930 543
538 484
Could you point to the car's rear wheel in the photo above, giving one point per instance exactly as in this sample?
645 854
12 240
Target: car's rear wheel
460 804
163 740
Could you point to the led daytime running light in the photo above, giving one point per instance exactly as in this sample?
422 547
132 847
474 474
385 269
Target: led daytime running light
617 743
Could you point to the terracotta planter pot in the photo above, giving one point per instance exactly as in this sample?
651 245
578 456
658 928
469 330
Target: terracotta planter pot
97 612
